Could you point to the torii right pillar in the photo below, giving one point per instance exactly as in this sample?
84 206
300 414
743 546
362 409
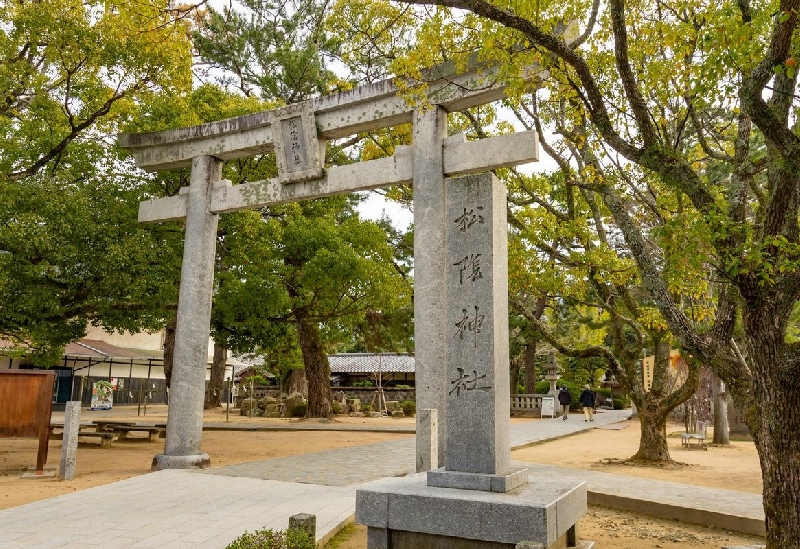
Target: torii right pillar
478 500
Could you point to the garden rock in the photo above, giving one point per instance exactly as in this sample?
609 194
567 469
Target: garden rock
246 404
272 410
393 406
267 400
293 400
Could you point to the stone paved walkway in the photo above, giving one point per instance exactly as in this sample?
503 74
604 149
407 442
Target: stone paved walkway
208 509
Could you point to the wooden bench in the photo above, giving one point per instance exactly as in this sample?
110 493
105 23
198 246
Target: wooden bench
699 435
153 433
108 425
106 438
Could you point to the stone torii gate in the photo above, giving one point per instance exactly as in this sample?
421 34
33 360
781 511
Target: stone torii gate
298 134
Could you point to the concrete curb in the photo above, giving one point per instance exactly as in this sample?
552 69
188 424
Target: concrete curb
694 515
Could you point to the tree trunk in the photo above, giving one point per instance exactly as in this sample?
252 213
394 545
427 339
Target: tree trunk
780 472
169 348
318 372
530 368
514 376
297 382
721 434
653 441
652 406
774 420
214 388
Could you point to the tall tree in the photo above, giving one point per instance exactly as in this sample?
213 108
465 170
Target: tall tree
724 77
274 50
71 251
320 269
279 52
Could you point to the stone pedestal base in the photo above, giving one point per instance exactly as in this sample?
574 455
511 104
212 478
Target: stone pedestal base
405 512
48 471
196 461
512 480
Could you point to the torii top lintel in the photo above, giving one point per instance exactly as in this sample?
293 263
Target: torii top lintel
365 108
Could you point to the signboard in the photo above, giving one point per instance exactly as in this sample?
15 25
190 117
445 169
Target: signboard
648 363
300 155
102 396
548 406
26 398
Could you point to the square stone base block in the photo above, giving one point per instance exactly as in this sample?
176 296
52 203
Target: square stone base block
405 512
478 481
39 474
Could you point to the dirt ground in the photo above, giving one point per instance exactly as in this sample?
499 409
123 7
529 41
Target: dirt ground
600 449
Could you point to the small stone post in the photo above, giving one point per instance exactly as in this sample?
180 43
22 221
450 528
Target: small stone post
427 435
69 443
304 522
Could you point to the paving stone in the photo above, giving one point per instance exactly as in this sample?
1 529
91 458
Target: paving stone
211 508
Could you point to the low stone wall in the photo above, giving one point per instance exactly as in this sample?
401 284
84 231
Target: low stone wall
364 394
527 404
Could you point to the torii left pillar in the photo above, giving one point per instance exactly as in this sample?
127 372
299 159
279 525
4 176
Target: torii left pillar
187 390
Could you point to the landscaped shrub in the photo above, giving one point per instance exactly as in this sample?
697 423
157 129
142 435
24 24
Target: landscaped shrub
409 407
270 539
619 404
365 383
366 408
402 386
336 407
299 410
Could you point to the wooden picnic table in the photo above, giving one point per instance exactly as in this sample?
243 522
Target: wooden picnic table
109 424
123 428
106 437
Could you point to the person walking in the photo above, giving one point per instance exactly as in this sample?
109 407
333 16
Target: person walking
587 403
565 399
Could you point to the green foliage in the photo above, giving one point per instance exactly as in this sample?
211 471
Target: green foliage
363 383
71 72
320 268
71 249
605 393
409 407
75 254
275 50
336 407
272 539
402 386
366 408
299 410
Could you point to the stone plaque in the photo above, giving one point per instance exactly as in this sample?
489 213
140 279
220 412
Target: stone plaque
300 155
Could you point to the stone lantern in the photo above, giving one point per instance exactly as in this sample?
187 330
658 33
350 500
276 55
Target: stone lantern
551 375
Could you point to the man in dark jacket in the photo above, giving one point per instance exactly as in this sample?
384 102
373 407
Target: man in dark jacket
587 403
565 399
